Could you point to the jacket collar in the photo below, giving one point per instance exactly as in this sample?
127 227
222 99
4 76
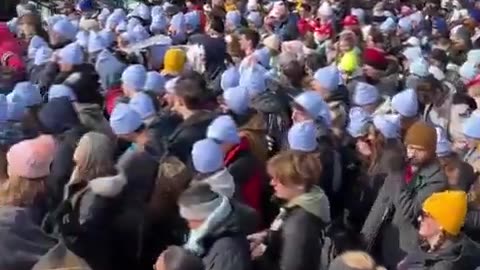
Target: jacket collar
429 170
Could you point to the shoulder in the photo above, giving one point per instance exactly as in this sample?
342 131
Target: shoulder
298 219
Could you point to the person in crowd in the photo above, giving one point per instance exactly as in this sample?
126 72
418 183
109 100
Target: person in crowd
357 260
12 128
470 131
173 63
298 227
58 119
239 160
368 97
190 97
93 196
23 241
177 258
215 234
133 80
251 124
441 219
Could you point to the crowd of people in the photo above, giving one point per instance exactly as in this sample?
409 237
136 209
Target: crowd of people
241 135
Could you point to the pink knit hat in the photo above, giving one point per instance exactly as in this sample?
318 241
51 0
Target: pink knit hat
31 158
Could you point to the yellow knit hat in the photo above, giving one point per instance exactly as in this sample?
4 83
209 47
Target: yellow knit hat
448 208
174 61
349 62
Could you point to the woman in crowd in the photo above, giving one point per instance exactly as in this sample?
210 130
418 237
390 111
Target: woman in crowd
22 194
295 236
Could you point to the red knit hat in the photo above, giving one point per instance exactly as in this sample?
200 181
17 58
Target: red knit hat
375 58
350 20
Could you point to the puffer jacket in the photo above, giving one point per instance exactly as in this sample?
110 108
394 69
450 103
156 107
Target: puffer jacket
295 237
97 204
461 253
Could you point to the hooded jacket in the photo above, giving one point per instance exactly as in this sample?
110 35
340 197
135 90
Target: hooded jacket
461 253
22 242
297 242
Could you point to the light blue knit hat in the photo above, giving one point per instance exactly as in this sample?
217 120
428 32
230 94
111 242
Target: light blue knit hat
155 82
95 43
35 43
313 103
82 39
471 126
468 71
254 79
71 54
444 146
224 130
237 99
388 25
405 24
328 77
263 56
358 123
42 56
121 27
159 23
28 93
140 33
65 28
233 18
406 103
134 77
178 23
61 90
255 18
15 108
302 136
143 105
419 68
230 78
413 53
192 19
207 156
388 125
124 120
365 94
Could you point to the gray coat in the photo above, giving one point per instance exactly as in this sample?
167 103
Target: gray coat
22 242
398 233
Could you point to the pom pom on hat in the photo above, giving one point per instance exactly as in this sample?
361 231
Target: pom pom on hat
302 136
71 54
124 119
134 77
237 99
230 78
419 68
143 105
388 125
28 93
313 103
42 56
61 90
471 127
358 124
207 156
406 103
375 58
448 209
365 94
155 82
65 28
328 77
224 130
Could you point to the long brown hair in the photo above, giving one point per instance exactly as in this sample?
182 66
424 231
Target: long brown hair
35 20
21 192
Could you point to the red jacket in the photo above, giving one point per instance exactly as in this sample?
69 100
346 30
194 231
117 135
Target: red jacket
111 98
246 173
10 51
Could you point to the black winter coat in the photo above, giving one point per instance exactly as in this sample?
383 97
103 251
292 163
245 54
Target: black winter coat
472 224
191 130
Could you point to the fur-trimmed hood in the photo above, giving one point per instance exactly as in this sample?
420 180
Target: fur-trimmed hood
109 186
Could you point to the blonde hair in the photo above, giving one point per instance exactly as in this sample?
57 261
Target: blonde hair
20 191
296 168
93 157
359 260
